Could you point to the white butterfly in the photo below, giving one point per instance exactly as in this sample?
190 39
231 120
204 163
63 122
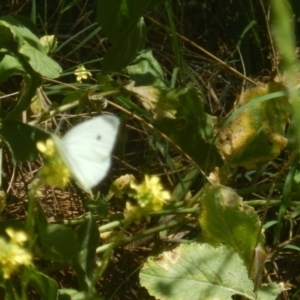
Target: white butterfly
86 149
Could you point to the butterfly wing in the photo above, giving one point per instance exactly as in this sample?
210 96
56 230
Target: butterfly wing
87 147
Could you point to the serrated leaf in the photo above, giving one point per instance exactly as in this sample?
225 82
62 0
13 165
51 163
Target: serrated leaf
21 139
224 218
269 292
197 271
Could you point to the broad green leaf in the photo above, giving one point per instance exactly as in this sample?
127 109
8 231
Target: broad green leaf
225 219
122 22
40 62
26 47
58 243
145 70
257 134
23 53
46 286
21 139
116 16
88 240
269 292
9 66
125 49
196 271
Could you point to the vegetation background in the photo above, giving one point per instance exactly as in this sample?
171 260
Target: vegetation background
207 59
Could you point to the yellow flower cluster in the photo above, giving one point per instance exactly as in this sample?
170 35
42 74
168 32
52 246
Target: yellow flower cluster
12 254
149 196
82 73
54 171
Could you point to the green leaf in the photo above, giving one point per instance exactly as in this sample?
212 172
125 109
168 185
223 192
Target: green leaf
11 292
40 62
293 247
88 239
125 49
73 96
26 47
22 52
189 271
9 66
116 16
146 70
122 23
47 286
257 134
181 190
58 243
269 292
270 224
224 218
32 81
21 139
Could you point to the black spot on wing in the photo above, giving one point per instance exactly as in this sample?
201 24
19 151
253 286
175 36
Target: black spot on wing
98 137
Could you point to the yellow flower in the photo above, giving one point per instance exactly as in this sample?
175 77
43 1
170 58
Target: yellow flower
82 73
47 148
12 254
149 196
54 171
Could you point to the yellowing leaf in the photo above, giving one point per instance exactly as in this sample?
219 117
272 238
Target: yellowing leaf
256 135
160 101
